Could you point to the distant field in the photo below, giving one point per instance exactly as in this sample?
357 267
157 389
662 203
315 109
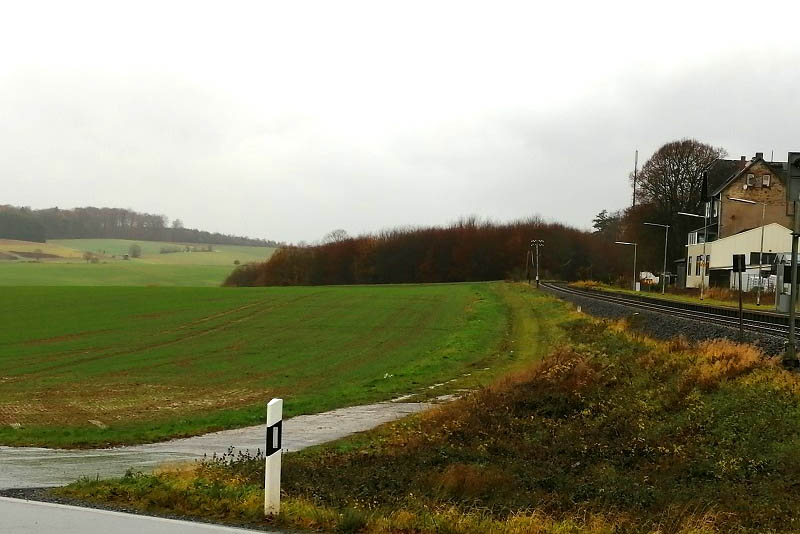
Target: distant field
11 246
151 363
60 262
221 255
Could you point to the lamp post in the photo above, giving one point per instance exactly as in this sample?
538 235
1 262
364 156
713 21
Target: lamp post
537 243
634 259
666 238
705 240
761 250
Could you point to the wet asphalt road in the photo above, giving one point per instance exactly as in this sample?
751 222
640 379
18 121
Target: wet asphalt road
22 467
26 467
29 517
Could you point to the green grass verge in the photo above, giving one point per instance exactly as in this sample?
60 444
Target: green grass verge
611 433
155 363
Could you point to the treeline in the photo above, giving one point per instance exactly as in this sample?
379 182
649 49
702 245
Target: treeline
114 223
469 250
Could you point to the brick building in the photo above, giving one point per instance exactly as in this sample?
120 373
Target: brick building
758 181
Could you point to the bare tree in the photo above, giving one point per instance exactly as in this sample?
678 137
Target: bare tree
335 236
671 178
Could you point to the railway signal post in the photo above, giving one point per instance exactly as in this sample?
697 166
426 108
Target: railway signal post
272 471
740 267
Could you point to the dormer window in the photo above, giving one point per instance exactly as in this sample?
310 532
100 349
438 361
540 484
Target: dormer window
751 180
765 180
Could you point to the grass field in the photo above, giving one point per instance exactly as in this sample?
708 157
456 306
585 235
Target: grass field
54 249
151 251
610 433
153 363
62 263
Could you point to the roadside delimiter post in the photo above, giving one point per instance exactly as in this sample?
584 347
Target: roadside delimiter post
272 470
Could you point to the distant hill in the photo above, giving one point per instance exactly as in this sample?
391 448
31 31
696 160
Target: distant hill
26 224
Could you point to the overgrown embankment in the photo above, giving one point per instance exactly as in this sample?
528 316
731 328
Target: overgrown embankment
611 432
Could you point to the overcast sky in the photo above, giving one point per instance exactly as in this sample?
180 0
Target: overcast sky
288 119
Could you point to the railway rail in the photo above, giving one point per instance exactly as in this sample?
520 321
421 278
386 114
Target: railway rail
764 322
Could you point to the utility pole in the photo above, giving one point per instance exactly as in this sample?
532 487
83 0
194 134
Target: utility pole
528 265
791 357
635 172
537 243
634 245
761 250
666 240
705 240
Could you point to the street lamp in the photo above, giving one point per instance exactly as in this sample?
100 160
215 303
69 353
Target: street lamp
705 240
634 259
761 250
666 237
537 243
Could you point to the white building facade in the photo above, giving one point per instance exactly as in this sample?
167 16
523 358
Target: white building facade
717 263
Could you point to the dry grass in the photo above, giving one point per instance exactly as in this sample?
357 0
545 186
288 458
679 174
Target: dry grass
465 480
720 359
678 344
586 284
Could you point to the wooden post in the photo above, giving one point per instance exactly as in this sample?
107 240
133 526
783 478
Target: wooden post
272 469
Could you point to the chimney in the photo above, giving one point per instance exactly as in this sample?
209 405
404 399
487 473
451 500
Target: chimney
743 162
759 155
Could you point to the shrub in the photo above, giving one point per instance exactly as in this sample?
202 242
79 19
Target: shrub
587 284
721 359
135 251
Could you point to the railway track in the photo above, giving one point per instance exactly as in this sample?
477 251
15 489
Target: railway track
771 323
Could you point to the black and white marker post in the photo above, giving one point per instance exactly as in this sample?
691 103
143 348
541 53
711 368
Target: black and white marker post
272 471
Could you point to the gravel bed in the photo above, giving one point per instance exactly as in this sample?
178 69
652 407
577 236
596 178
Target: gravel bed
663 326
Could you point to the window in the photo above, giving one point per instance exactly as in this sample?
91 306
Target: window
708 262
751 179
765 180
689 266
692 238
697 267
767 258
716 206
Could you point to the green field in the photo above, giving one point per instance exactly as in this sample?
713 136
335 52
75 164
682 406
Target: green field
150 363
64 265
151 251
